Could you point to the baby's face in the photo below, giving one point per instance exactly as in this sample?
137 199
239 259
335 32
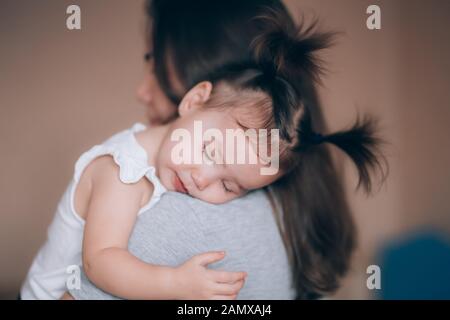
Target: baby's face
210 177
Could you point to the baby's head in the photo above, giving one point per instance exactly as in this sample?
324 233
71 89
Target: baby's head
248 124
211 151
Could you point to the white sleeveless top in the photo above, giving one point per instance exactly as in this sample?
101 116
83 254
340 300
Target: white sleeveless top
55 261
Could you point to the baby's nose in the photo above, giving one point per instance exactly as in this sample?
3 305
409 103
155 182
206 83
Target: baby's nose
200 180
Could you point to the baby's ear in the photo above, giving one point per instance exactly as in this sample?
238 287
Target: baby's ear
195 98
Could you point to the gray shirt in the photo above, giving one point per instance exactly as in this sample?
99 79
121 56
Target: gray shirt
179 227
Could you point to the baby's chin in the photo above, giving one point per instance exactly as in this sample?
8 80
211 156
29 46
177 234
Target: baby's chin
209 200
215 201
167 184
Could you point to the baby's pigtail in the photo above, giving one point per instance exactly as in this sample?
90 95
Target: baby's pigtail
361 144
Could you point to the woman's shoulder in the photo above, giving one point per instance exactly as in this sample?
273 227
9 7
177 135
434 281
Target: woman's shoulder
182 207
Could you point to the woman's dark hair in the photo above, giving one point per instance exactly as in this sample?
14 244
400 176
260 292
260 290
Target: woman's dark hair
260 50
198 36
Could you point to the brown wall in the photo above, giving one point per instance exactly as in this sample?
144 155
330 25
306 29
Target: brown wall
62 91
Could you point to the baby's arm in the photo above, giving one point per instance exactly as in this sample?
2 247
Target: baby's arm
110 215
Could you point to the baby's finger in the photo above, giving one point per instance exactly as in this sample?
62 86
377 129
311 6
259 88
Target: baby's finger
229 289
209 257
227 277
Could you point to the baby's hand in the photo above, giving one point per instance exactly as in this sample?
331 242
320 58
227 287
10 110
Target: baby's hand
194 281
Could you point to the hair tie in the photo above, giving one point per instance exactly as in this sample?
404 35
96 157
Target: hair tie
268 70
317 138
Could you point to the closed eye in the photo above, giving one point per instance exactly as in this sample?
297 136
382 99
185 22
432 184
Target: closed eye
225 187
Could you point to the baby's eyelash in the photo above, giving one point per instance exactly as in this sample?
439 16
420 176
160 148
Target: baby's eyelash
225 187
223 183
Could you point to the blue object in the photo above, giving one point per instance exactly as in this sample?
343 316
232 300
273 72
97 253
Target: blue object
416 268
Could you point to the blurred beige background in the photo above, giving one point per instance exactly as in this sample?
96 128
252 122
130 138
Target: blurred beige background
62 91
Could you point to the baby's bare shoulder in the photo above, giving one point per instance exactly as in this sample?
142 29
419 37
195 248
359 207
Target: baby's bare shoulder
102 176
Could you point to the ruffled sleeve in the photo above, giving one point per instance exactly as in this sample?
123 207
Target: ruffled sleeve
131 158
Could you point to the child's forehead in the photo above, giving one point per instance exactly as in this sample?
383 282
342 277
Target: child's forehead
238 109
222 117
253 116
232 119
